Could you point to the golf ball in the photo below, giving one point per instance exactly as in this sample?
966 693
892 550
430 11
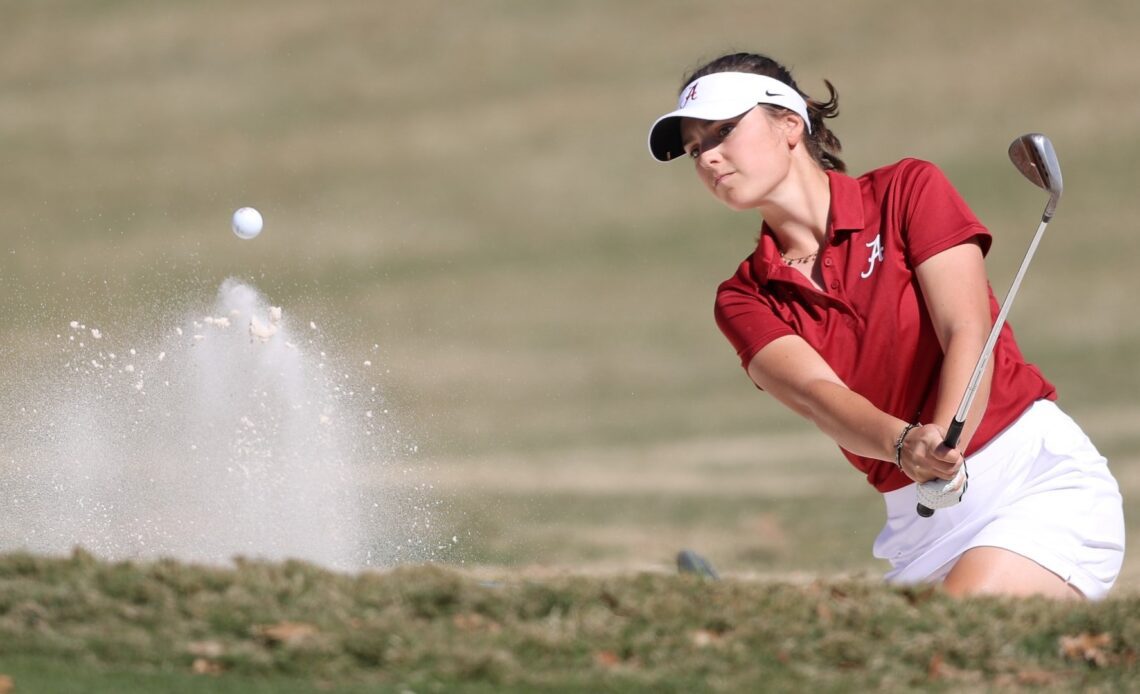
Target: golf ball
247 223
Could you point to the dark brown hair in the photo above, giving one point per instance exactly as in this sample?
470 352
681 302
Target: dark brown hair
822 144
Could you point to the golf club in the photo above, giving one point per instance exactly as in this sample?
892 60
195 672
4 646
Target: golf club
1034 157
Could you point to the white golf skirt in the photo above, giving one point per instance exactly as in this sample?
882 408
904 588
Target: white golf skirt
1039 489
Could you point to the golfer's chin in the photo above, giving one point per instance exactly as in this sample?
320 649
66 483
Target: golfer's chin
731 195
736 202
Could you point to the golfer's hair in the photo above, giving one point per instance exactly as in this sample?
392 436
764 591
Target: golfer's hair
822 144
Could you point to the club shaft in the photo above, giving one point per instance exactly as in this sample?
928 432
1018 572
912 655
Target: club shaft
955 430
987 351
1034 157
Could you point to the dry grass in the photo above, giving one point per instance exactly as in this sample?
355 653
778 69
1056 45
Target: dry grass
290 627
466 186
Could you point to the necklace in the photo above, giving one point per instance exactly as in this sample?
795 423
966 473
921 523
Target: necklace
802 260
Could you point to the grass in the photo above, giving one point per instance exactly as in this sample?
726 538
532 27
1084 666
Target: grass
745 533
294 627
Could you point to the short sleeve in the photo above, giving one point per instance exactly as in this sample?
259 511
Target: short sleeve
746 315
935 217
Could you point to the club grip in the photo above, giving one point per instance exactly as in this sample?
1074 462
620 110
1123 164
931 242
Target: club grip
951 441
952 434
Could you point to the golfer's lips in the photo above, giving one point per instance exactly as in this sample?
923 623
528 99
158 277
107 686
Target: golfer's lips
720 177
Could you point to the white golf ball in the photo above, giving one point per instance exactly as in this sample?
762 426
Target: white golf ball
247 223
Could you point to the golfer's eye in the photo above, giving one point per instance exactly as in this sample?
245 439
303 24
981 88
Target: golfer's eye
725 130
694 152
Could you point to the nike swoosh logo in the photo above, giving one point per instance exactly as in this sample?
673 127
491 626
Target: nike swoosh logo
768 93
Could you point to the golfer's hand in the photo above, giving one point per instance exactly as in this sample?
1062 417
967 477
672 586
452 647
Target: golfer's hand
924 457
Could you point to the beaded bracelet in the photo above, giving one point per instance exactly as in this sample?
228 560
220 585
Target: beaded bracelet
899 442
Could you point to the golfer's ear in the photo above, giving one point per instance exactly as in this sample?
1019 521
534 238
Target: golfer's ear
794 128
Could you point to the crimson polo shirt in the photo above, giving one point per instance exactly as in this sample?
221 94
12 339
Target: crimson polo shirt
871 323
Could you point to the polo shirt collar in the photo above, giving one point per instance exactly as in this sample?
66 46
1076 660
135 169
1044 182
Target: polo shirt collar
845 216
846 203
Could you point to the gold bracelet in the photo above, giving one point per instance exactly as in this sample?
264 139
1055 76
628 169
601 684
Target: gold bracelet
899 442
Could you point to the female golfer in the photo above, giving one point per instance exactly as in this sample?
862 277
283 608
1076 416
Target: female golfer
864 308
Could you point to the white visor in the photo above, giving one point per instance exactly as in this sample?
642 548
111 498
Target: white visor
719 96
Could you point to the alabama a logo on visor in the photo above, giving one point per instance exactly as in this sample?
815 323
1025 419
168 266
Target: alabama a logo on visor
692 94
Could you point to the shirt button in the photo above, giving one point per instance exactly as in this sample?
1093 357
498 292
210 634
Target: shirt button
827 262
835 284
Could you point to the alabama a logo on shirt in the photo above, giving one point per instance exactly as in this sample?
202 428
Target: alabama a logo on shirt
876 256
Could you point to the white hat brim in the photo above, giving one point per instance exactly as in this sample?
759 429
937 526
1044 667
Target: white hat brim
720 96
665 134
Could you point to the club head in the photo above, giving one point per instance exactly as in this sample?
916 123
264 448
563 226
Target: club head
1034 157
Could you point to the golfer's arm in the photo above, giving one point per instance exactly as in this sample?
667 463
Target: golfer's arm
956 293
796 375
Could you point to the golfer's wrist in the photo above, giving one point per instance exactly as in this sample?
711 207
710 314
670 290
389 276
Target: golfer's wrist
900 442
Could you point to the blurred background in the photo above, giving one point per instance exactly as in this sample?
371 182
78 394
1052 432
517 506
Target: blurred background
461 193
